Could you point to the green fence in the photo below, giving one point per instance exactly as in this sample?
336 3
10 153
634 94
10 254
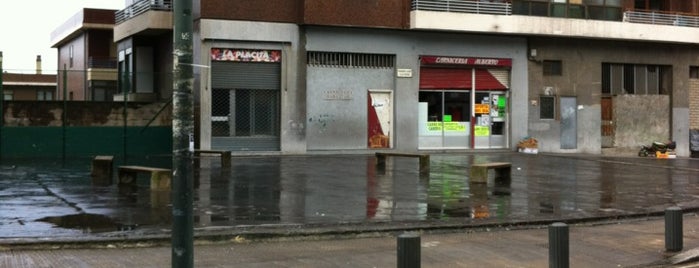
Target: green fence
80 141
85 128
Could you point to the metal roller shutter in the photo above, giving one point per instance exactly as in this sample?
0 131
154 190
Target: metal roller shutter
247 75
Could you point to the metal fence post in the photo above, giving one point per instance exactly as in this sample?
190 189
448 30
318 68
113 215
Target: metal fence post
673 229
558 245
409 250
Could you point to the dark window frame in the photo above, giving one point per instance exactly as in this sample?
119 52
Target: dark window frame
547 107
552 67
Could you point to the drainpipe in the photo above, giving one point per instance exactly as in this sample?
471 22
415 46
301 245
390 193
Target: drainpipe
182 130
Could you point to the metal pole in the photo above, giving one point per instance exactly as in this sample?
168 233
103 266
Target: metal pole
558 245
65 111
673 229
125 85
2 99
182 128
409 250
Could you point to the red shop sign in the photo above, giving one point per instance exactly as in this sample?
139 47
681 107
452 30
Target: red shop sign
439 60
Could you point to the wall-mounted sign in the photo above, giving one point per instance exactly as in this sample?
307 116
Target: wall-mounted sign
466 61
404 72
338 94
248 55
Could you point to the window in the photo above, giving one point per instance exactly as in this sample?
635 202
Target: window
8 95
694 72
632 79
350 60
547 107
553 67
44 95
567 9
604 9
70 56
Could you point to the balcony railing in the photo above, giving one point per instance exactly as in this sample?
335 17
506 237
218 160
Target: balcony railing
105 63
464 6
661 18
141 7
549 9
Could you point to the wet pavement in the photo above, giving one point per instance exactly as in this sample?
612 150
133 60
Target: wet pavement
51 199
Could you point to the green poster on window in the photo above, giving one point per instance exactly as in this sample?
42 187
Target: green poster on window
502 104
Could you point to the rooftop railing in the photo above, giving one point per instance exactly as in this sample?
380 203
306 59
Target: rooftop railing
463 6
141 7
538 8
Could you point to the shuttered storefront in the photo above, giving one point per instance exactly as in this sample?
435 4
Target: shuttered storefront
245 103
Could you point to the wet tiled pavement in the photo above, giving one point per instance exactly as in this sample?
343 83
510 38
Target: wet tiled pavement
344 190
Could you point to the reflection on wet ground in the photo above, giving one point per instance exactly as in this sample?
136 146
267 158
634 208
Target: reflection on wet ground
44 198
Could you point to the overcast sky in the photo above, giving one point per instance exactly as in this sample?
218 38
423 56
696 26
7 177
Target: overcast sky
26 26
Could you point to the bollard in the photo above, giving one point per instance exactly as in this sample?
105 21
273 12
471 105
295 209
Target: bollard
673 229
409 250
102 170
558 245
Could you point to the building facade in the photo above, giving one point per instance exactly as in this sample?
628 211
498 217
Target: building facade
29 87
86 56
291 77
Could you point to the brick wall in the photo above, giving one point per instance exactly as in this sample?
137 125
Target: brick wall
50 113
693 103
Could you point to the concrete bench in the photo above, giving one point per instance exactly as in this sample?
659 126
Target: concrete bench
424 160
160 178
225 156
479 172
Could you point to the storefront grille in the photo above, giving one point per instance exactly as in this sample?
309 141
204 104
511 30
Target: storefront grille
350 60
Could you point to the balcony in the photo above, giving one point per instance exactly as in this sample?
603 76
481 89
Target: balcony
143 17
525 17
141 7
101 69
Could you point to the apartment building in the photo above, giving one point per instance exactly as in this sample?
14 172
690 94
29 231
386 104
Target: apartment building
86 56
29 87
311 75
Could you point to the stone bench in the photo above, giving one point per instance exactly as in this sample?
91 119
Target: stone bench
424 160
479 172
160 178
101 171
225 156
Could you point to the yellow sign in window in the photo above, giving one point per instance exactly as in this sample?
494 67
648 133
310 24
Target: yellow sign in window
482 108
481 131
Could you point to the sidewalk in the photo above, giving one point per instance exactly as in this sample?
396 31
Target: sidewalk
626 243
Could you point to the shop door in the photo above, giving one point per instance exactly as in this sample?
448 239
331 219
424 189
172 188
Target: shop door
380 117
246 120
569 123
607 123
245 106
490 126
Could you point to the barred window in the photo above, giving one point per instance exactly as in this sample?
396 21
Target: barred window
350 60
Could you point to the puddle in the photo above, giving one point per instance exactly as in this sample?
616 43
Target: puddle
88 223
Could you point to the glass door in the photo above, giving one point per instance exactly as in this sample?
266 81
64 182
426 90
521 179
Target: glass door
490 125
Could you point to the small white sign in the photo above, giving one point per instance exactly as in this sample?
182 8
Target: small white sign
404 73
